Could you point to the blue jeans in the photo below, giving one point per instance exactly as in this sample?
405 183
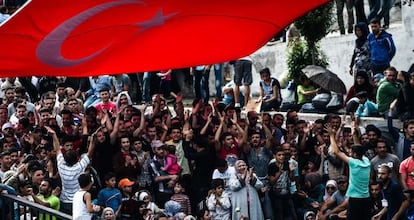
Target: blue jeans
146 86
91 101
218 71
205 90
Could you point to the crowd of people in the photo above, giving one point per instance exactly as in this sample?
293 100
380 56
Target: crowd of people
112 159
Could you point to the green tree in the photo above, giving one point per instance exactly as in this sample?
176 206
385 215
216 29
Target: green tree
313 27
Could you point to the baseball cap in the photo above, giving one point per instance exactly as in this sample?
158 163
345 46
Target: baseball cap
125 182
156 144
378 76
7 125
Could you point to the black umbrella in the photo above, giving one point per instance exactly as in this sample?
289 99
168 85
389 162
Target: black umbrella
325 78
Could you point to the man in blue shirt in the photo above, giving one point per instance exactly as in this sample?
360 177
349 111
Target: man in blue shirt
381 46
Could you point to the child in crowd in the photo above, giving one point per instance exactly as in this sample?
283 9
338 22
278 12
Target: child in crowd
223 171
108 214
144 195
171 162
181 198
110 196
218 203
82 202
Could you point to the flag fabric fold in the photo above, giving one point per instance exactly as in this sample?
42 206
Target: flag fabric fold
92 37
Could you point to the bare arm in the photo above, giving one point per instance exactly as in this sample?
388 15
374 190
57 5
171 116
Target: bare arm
141 127
114 134
275 94
206 126
269 136
341 155
56 144
217 143
92 143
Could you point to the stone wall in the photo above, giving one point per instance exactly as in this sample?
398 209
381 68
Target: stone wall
339 49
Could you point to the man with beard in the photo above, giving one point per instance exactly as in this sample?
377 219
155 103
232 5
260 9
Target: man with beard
258 157
6 163
46 198
384 158
163 182
381 46
387 92
373 134
177 140
392 194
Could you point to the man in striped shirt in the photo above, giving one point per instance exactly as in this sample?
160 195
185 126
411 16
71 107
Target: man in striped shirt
70 168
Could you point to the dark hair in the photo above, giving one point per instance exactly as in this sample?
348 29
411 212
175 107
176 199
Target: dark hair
47 179
380 140
109 175
384 166
70 157
4 153
277 149
35 168
303 78
373 128
66 111
358 149
170 149
373 183
221 163
20 90
375 21
84 180
265 71
224 135
202 141
216 183
61 84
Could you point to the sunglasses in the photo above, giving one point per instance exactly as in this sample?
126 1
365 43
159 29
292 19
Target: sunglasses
331 188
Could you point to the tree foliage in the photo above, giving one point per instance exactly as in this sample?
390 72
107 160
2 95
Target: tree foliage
312 27
300 56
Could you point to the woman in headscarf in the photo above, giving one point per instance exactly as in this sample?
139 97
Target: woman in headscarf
330 188
361 83
245 200
361 58
108 214
123 99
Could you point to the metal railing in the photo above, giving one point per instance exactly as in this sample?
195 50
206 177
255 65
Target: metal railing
15 208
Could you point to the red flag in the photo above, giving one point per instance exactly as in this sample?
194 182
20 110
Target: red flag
90 37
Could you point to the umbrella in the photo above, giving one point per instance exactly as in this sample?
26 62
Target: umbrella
325 78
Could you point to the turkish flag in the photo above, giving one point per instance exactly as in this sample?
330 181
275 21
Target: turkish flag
91 37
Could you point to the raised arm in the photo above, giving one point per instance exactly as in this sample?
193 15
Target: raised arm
268 134
141 127
332 134
92 143
217 143
114 134
56 143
